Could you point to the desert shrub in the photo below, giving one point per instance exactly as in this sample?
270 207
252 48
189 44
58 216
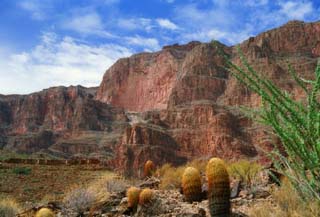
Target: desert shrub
170 176
199 164
287 203
245 171
79 200
21 170
117 185
295 123
8 208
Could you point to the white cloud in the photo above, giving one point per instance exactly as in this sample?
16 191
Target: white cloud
89 23
296 9
135 23
150 44
57 61
167 24
37 8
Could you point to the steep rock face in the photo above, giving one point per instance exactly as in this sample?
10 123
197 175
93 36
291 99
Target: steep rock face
56 115
144 81
142 142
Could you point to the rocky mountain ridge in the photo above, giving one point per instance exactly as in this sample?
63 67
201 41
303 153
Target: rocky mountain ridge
169 106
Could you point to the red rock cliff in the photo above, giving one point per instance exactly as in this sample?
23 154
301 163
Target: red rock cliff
169 106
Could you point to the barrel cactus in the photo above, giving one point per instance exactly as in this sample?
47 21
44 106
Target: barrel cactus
149 168
191 184
145 196
45 212
133 197
218 188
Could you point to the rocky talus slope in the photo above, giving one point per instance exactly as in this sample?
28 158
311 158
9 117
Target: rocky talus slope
169 106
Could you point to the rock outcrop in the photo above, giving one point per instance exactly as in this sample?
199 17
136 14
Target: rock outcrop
169 106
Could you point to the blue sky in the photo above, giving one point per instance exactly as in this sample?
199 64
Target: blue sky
47 43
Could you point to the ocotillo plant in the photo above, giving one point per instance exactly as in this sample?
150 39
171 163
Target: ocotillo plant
296 123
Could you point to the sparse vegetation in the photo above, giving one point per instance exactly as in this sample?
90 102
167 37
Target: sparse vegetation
21 170
287 203
8 208
79 200
296 123
170 176
245 171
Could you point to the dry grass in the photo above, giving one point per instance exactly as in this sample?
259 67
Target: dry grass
245 171
287 204
8 208
170 176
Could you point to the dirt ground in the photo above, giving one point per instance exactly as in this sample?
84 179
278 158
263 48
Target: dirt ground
30 184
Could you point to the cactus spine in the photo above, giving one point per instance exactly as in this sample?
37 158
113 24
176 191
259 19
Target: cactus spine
133 197
218 188
145 196
45 212
149 168
191 184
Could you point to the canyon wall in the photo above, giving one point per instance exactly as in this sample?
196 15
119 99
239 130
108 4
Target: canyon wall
171 106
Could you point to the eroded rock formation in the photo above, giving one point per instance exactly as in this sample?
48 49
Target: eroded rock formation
175 104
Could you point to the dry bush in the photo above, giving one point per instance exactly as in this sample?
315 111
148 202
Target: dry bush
199 164
116 185
287 204
79 200
8 208
170 176
245 171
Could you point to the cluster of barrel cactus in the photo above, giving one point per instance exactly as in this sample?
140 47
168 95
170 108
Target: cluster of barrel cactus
218 187
137 196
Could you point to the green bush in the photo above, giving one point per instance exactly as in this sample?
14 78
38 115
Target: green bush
21 170
296 123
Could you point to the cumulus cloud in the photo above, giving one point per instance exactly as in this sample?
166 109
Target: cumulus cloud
57 61
87 23
135 23
167 24
149 44
296 10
